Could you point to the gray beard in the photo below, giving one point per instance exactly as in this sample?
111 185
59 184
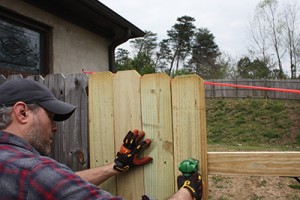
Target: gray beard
36 139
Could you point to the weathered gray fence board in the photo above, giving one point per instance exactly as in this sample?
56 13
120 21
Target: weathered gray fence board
259 93
222 91
242 92
14 76
56 83
37 78
71 140
2 79
77 127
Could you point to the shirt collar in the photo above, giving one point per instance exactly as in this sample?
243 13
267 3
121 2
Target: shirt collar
11 139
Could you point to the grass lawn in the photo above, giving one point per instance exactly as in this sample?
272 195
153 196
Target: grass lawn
253 125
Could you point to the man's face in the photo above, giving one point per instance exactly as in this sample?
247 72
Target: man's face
41 133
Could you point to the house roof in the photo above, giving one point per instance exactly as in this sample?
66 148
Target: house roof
92 15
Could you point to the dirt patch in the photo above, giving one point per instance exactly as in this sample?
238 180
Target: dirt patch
252 188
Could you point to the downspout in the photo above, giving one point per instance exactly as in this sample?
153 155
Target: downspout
112 47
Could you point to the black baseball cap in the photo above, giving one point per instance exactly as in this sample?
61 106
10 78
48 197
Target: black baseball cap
30 91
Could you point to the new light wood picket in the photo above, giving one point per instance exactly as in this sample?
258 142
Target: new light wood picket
189 123
101 124
127 116
157 123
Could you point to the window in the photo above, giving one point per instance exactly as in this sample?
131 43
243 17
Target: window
23 44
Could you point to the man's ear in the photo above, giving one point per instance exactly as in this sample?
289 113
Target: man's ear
20 111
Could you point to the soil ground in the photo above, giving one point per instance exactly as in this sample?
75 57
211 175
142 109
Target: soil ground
253 188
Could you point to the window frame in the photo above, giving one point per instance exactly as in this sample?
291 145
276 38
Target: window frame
44 30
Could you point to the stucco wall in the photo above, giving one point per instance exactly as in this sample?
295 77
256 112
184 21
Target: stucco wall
72 48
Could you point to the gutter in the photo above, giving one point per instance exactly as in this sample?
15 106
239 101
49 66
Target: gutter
112 47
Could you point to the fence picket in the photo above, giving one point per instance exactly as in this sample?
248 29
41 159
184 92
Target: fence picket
60 147
127 113
101 124
14 76
77 127
37 78
2 79
189 132
157 123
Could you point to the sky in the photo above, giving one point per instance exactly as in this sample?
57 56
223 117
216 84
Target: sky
227 20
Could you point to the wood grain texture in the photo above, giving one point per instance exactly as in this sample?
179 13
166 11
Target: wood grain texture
127 113
37 78
189 132
157 123
101 124
77 124
61 145
254 163
2 79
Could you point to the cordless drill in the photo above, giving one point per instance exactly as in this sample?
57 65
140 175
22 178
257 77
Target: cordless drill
189 166
190 179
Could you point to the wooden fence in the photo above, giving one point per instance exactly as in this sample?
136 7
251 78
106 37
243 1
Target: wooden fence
170 111
230 92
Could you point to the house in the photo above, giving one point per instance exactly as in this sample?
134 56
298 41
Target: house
39 37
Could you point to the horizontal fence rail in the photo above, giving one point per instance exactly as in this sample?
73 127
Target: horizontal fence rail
254 163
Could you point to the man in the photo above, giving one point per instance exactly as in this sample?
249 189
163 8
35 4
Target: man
28 111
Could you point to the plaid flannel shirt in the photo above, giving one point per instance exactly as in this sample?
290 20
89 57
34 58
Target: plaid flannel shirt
25 174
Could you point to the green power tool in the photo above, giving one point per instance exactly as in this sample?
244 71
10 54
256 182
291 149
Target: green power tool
189 166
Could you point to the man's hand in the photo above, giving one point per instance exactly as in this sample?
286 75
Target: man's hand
132 146
193 183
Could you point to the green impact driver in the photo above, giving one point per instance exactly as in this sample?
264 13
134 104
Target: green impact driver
189 167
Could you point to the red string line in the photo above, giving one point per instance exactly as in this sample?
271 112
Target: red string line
87 72
253 87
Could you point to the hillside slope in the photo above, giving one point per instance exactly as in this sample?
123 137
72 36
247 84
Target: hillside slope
253 123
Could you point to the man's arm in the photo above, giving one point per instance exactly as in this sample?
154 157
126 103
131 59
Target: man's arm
98 175
183 193
50 179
